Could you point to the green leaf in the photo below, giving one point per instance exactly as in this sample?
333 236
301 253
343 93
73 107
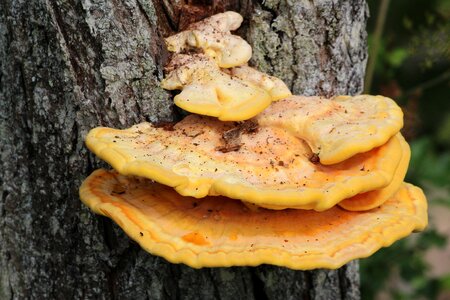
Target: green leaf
428 166
397 56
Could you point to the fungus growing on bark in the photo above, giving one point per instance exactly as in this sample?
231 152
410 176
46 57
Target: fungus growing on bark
213 36
270 168
209 90
299 155
372 199
218 232
339 128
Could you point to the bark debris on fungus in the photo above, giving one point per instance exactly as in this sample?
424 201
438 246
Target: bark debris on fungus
320 181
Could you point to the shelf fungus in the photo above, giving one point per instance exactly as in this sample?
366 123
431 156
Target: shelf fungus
267 166
231 95
213 36
258 176
375 198
217 232
338 128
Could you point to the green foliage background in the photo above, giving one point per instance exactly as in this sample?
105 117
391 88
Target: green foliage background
412 66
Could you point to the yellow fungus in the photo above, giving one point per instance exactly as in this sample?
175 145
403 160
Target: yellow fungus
185 230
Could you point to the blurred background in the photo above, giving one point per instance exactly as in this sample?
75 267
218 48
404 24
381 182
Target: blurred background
409 61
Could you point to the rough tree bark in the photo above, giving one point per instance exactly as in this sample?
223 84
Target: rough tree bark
67 66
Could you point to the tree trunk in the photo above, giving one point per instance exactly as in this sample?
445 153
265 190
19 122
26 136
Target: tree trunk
67 66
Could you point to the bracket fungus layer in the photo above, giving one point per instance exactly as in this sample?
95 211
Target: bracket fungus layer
267 166
214 37
217 232
372 199
231 95
338 128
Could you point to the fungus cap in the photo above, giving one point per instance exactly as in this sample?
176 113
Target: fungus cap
338 128
208 90
275 86
264 166
213 36
373 199
219 232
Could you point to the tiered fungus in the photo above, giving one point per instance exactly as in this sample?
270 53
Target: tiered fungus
271 167
209 86
315 182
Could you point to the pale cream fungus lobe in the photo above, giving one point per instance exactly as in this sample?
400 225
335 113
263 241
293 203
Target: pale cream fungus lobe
214 37
275 86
